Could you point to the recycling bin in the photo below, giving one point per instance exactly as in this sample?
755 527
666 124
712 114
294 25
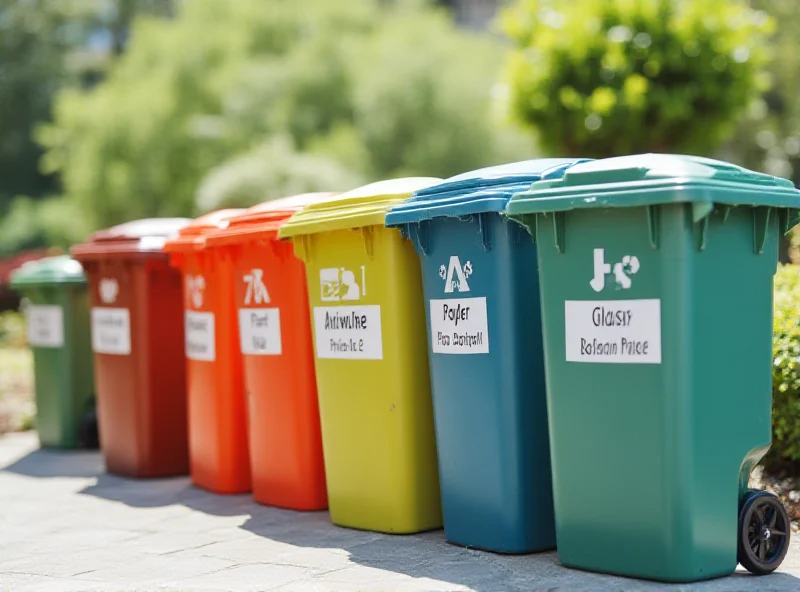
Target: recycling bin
486 357
368 323
57 318
656 281
137 339
271 301
218 451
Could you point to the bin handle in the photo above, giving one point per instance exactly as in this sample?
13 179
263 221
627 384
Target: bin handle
423 235
302 247
653 219
559 220
760 227
483 230
368 237
788 219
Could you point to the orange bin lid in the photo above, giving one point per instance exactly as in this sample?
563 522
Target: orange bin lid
193 236
262 221
139 238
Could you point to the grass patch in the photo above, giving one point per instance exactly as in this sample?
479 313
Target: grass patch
16 389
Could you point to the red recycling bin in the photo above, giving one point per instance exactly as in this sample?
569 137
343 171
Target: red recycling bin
137 339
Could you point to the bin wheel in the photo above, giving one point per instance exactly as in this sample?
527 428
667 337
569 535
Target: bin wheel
764 531
88 436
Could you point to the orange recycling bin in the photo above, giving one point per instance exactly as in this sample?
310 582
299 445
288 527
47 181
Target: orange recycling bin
137 339
275 332
218 451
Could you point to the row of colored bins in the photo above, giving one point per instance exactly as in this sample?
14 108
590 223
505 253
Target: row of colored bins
648 238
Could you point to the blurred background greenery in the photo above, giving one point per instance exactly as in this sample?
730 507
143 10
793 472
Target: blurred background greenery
112 110
117 109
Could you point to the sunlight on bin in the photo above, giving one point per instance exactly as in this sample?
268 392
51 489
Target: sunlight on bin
218 450
367 316
137 339
486 357
275 342
656 276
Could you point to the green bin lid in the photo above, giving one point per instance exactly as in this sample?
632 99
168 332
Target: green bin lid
365 206
652 179
61 269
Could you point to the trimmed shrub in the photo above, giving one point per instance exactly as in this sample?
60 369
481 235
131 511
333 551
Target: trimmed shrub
785 449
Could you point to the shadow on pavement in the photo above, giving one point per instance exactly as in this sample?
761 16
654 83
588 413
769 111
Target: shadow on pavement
429 555
151 493
139 493
425 555
47 463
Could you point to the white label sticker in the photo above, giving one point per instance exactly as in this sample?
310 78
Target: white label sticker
352 332
613 331
260 331
111 331
200 336
459 326
45 326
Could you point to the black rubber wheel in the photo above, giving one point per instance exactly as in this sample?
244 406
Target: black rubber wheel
88 436
764 531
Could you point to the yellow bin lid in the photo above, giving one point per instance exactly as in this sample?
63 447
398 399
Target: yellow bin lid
364 206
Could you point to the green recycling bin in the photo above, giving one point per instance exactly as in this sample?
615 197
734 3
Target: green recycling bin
57 317
656 288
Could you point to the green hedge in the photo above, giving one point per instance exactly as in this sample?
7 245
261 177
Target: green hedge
786 370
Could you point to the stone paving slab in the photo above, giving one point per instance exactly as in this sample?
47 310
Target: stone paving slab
67 526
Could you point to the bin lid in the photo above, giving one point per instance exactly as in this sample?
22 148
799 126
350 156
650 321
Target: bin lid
61 269
364 206
193 236
144 237
652 179
263 220
482 190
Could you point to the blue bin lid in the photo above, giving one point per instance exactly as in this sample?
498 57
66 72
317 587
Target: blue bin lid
482 190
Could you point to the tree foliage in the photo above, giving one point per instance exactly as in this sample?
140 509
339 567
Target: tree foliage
44 45
34 37
379 91
34 223
627 76
769 138
270 171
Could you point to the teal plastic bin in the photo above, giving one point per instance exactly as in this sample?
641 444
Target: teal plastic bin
656 275
486 356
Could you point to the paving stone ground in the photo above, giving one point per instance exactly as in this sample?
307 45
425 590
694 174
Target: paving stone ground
66 526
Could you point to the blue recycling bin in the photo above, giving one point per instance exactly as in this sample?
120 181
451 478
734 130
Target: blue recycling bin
486 356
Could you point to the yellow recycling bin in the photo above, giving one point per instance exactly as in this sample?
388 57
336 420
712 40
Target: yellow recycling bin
371 358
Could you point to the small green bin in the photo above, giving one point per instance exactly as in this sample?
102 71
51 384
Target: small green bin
656 288
57 318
